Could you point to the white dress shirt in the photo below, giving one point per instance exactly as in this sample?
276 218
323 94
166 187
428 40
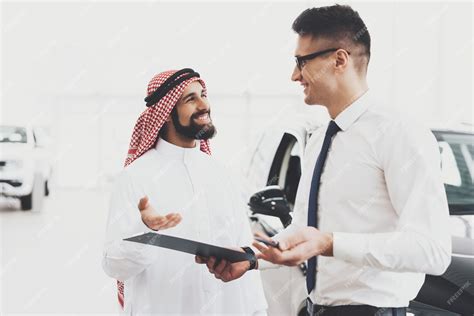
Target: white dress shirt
382 196
159 281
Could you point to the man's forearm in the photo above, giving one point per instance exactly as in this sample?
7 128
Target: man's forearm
398 251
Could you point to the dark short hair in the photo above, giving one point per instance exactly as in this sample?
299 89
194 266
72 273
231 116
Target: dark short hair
336 22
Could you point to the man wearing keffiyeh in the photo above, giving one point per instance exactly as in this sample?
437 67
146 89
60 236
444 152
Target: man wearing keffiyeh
171 182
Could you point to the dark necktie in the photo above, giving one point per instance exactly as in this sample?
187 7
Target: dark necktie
313 198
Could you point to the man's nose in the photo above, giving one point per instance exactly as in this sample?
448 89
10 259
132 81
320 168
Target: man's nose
296 75
202 105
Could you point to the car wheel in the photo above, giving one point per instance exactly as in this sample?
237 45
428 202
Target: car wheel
46 188
26 202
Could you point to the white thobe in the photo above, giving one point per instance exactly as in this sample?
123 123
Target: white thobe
160 281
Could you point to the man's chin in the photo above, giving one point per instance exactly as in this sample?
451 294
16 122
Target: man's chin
206 131
308 100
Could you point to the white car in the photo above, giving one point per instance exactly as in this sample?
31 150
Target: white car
275 160
25 168
274 170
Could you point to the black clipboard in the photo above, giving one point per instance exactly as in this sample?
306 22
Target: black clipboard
191 247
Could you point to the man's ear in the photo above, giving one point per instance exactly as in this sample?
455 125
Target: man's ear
342 59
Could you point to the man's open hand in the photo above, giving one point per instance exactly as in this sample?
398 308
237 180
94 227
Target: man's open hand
155 221
296 247
225 270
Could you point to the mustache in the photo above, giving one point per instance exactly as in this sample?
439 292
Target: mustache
195 115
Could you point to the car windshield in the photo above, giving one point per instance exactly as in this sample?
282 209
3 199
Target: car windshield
12 134
457 164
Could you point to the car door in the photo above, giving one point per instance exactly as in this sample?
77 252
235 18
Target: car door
285 171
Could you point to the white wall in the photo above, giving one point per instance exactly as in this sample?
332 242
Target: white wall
82 68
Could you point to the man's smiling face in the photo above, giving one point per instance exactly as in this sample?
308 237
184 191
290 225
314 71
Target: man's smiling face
192 114
316 75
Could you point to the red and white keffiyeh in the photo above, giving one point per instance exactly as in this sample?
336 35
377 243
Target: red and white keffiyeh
153 118
148 125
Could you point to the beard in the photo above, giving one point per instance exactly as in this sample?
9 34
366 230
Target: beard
194 130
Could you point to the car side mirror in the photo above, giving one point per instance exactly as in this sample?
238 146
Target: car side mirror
271 201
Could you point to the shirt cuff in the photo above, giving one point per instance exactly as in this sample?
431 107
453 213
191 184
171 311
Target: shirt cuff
350 247
142 252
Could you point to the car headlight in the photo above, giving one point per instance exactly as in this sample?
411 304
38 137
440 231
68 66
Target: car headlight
14 164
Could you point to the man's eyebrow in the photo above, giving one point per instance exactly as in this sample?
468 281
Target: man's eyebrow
189 95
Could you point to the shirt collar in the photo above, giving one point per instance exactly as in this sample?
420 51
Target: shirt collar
166 148
351 113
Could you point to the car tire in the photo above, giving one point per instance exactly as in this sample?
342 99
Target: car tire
26 202
46 188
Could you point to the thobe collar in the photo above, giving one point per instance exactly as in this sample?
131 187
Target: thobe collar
171 150
351 113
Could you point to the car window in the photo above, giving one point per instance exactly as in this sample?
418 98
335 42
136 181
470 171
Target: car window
293 173
449 166
457 165
260 160
286 167
12 134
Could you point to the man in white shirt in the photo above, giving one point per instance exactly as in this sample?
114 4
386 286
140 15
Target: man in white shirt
371 184
167 170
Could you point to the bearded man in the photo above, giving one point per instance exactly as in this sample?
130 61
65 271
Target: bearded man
169 171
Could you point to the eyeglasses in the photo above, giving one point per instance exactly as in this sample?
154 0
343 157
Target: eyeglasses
302 60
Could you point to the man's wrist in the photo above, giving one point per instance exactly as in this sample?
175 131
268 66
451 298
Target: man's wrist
253 263
328 245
